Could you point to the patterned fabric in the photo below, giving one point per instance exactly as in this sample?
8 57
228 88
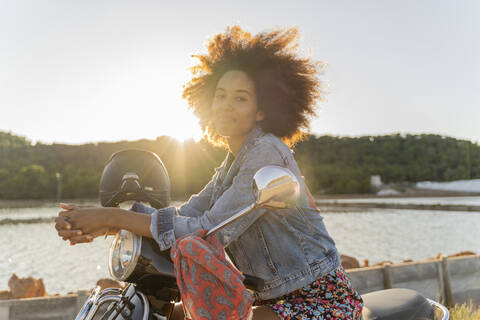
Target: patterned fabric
330 297
210 286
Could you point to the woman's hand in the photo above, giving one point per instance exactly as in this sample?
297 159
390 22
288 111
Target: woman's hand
64 228
82 224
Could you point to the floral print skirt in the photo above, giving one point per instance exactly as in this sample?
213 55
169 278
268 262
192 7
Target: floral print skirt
329 297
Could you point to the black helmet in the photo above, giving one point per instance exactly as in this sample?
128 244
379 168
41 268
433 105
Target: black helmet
134 174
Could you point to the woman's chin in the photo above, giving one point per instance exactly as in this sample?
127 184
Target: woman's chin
224 131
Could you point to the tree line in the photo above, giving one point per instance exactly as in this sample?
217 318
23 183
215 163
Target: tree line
330 164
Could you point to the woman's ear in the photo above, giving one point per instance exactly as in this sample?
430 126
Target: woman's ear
260 116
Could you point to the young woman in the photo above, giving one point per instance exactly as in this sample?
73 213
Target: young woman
253 96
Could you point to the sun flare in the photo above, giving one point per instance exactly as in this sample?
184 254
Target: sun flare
182 125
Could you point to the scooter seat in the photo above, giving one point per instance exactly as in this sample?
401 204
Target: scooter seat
396 304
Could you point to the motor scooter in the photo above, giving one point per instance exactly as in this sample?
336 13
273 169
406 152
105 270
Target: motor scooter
152 290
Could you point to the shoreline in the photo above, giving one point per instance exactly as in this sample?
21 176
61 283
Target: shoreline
35 203
369 205
412 193
409 194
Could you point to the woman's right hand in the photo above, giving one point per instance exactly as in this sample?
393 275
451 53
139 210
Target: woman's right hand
64 228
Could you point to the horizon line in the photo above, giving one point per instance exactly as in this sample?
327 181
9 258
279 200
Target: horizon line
402 134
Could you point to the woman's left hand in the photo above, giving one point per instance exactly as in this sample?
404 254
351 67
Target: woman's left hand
92 221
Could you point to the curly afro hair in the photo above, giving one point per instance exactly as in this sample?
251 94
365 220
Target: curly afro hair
287 86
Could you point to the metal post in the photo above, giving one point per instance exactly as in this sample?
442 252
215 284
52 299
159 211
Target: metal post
59 185
441 285
446 283
387 277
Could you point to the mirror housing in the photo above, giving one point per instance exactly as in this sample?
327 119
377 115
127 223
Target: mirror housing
275 187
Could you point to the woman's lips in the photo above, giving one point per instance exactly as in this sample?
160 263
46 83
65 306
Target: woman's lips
226 119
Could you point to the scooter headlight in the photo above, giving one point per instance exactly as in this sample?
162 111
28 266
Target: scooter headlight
124 253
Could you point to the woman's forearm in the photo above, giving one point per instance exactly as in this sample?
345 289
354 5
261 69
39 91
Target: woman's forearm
138 223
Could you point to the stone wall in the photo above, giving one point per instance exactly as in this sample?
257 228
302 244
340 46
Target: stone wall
43 308
450 281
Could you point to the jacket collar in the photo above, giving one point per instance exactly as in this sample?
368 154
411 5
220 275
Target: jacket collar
233 170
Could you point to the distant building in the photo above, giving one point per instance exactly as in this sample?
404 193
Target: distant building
387 192
376 181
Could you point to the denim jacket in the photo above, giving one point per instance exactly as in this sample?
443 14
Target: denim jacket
288 248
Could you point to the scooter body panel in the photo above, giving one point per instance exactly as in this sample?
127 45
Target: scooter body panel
393 304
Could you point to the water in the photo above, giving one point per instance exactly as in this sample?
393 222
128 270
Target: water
374 234
396 235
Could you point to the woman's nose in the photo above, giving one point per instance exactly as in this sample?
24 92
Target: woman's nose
226 104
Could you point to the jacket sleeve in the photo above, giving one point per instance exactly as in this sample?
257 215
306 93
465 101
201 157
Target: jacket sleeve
161 220
238 196
197 204
141 208
161 225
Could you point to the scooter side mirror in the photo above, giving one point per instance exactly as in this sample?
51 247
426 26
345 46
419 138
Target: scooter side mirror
275 187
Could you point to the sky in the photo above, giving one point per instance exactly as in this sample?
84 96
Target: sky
89 71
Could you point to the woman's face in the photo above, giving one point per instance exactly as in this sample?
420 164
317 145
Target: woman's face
234 106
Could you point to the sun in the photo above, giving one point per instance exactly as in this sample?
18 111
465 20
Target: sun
168 113
182 125
186 133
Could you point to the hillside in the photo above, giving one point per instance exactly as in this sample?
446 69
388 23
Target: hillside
330 164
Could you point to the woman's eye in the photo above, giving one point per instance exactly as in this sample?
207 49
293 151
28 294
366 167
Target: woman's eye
222 96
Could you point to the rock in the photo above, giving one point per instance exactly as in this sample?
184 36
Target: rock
109 283
26 287
407 260
463 253
382 263
349 262
366 263
5 294
439 256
